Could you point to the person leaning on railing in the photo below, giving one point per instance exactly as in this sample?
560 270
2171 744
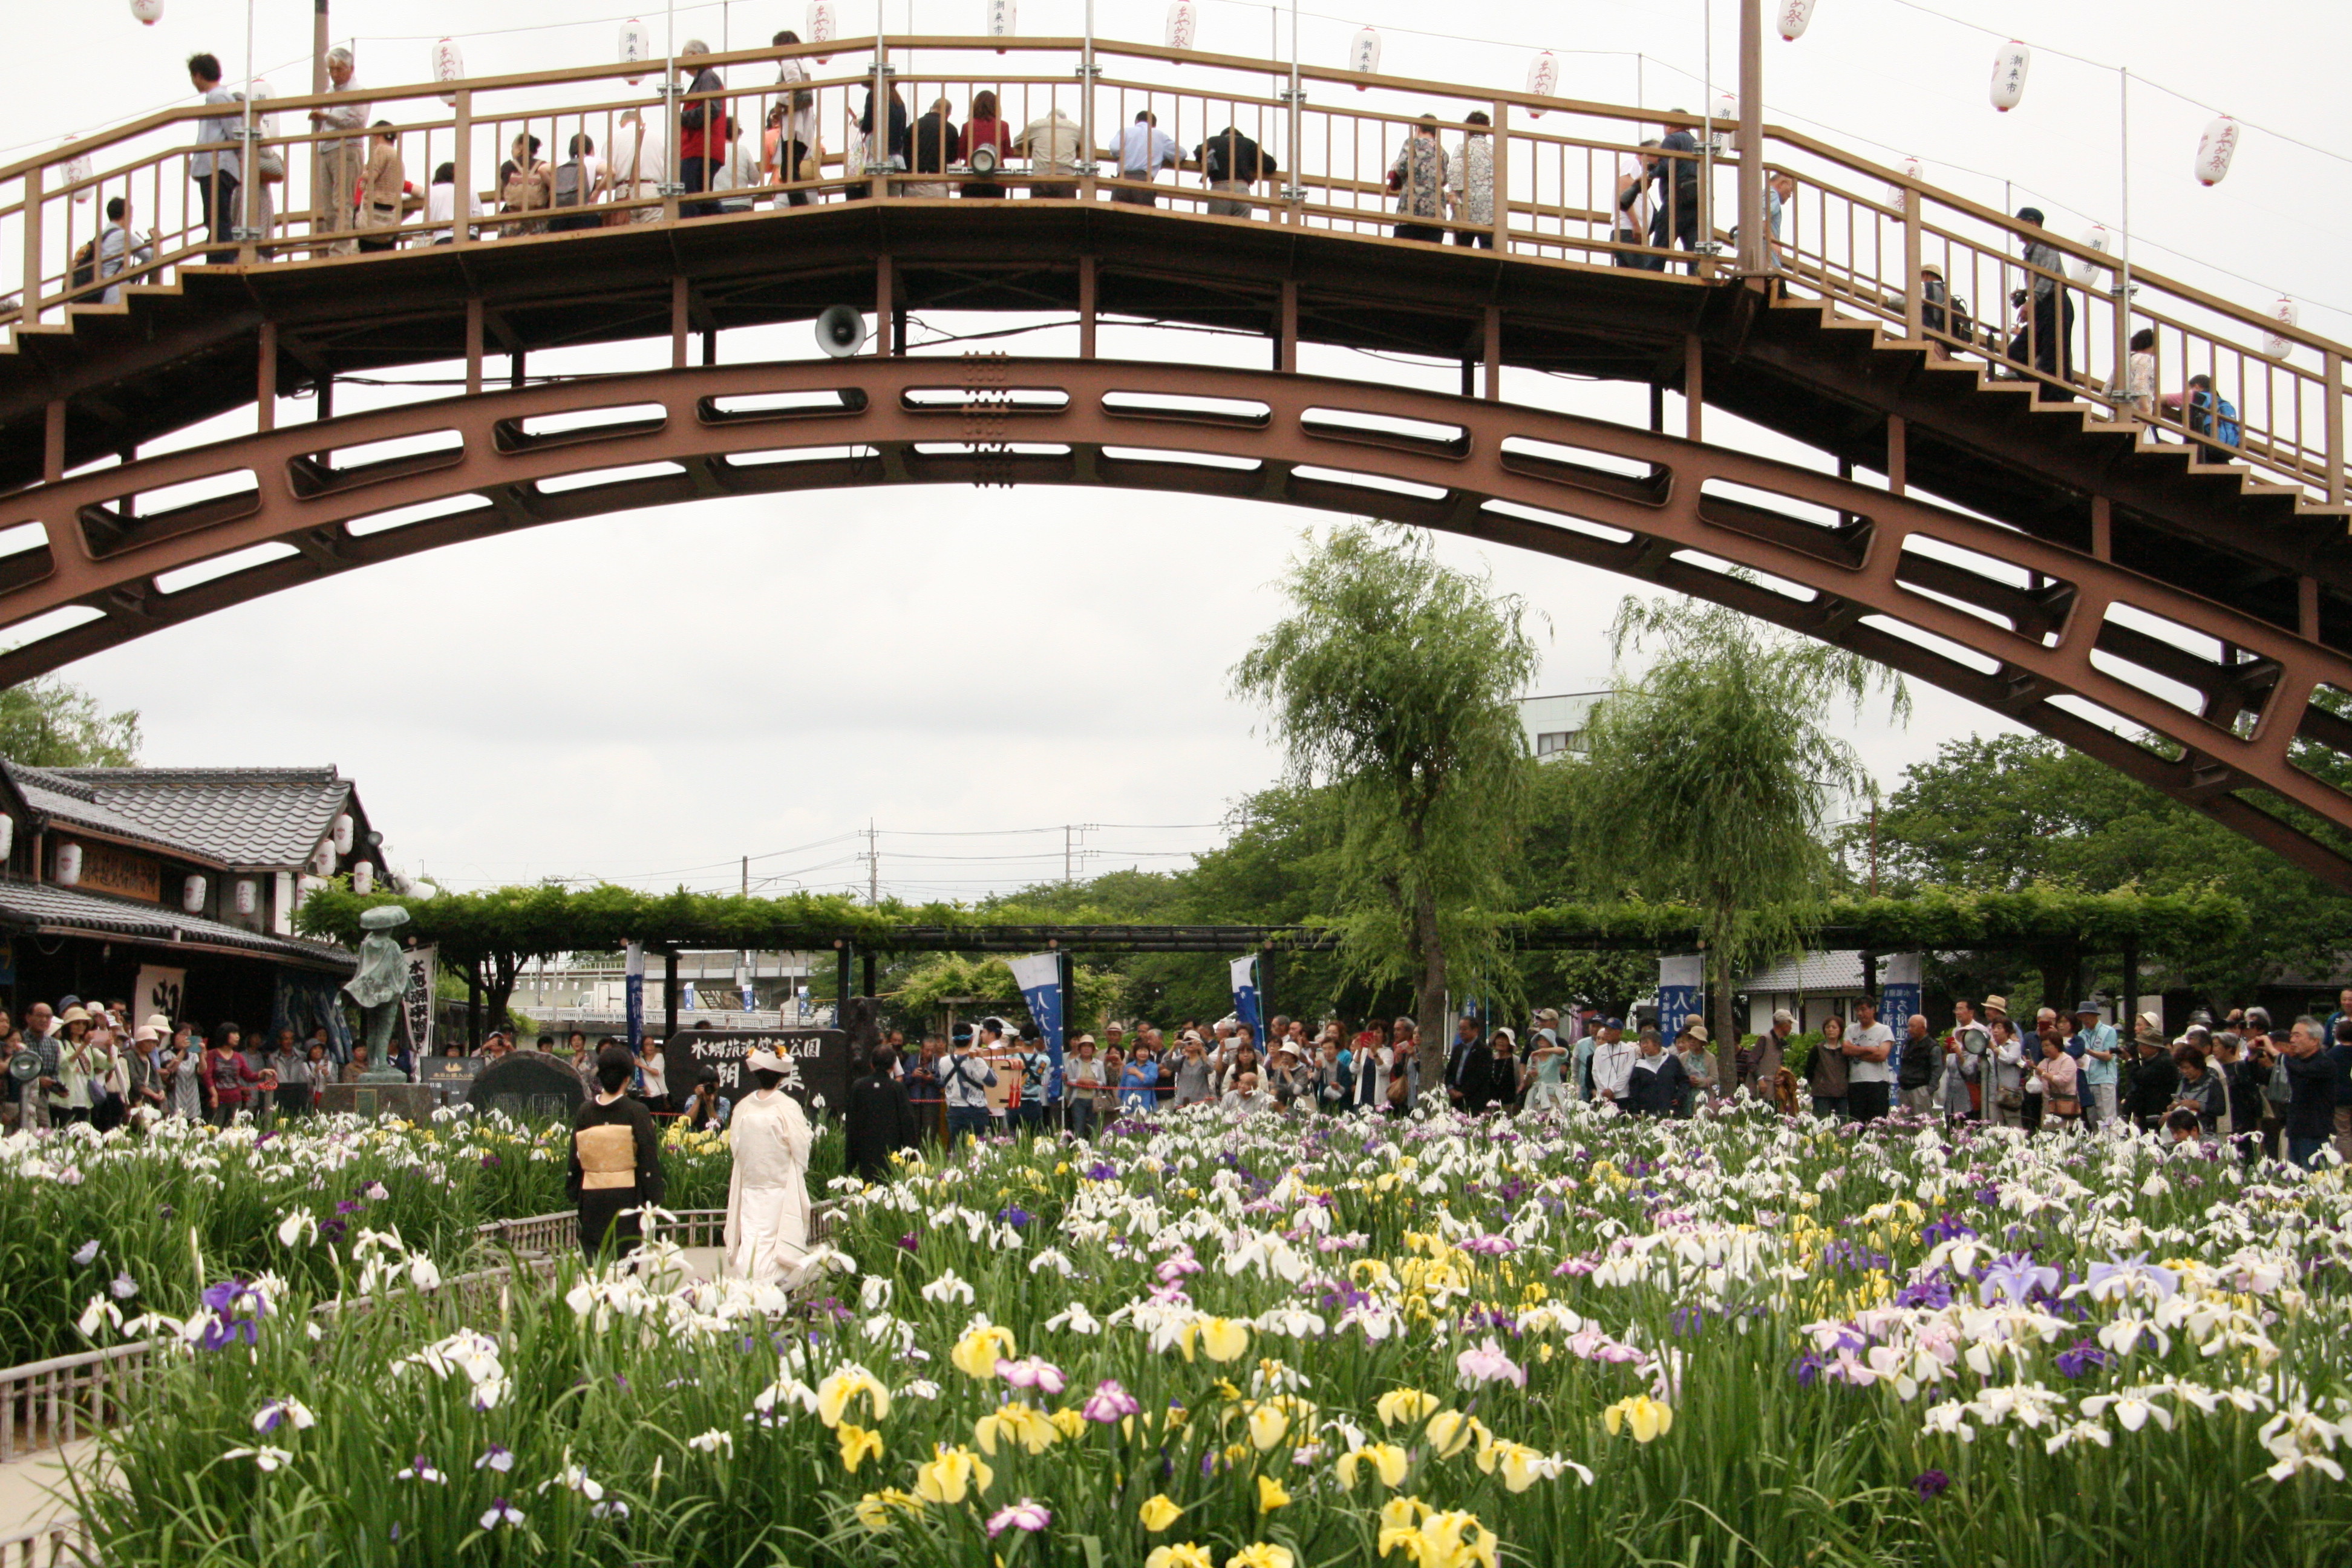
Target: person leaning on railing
1417 179
383 187
937 144
1631 229
1472 190
704 129
985 128
1232 164
338 160
1678 217
2046 338
797 154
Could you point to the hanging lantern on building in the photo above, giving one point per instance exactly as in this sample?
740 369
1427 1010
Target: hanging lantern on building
68 865
1899 197
1002 18
8 837
2010 64
820 28
636 46
2277 347
1796 16
1183 24
2215 148
149 12
449 65
76 172
342 835
1543 79
1364 53
363 878
246 895
192 895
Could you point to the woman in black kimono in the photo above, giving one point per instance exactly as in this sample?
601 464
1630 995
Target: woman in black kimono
615 1160
879 1120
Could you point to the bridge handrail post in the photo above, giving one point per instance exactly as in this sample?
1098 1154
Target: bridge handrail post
30 301
1914 312
461 200
1502 192
2334 373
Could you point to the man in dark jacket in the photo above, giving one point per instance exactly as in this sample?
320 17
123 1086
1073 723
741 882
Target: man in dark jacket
879 1121
615 1170
1232 164
2156 1083
2311 1079
1657 1082
1678 219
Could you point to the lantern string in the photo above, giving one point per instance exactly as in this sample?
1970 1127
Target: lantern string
1926 10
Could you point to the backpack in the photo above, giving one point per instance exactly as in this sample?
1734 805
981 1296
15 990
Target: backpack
2201 421
570 178
85 265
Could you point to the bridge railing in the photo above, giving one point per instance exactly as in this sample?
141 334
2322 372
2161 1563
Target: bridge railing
1854 235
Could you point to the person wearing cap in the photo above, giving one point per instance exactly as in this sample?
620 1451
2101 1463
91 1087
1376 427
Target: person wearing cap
1037 1065
877 1121
615 1170
1869 1079
1548 1067
965 1078
1702 1078
1756 1065
2046 338
767 1193
1292 1079
2095 1046
150 1097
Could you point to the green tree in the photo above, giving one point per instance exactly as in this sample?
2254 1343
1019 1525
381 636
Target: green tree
1393 680
1711 776
51 723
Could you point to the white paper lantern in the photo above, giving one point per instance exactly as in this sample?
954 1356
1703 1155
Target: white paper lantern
2084 269
8 837
248 895
364 877
323 861
68 865
1543 79
1899 197
2010 63
636 46
449 65
1001 19
150 12
820 28
343 839
1183 24
1796 16
1727 111
192 895
1364 53
2277 347
2215 148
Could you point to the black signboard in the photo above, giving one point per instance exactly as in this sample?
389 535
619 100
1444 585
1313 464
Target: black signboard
528 1084
450 1072
819 1061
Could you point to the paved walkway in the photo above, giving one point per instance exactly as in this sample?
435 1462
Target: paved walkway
33 1490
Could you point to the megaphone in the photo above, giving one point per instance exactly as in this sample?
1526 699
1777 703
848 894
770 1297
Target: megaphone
984 160
841 330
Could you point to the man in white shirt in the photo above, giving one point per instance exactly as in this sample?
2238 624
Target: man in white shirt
119 249
218 164
1613 1065
339 161
1634 211
441 209
1143 150
1868 1077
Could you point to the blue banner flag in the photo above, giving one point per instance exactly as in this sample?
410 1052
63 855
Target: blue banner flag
1040 979
1245 972
632 987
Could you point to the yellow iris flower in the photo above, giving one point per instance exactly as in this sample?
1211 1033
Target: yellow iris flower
1449 1432
1643 1416
1388 1462
1184 1555
858 1446
1403 1406
977 1354
952 1475
1022 1424
1263 1555
874 1510
834 1394
1269 1424
1158 1512
1270 1495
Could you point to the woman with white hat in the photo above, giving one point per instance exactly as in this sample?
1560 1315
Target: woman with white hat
767 1196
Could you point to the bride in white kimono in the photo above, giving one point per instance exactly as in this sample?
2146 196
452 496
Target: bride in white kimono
767 1197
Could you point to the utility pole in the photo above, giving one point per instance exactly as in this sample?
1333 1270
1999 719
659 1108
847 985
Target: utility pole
873 864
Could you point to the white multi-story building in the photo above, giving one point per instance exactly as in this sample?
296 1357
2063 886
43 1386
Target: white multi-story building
1555 725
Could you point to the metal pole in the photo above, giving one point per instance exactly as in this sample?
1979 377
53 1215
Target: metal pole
1086 98
1754 254
2123 288
317 85
1705 240
878 140
1296 190
244 231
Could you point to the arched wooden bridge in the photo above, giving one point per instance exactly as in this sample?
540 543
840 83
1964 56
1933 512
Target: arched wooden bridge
2081 566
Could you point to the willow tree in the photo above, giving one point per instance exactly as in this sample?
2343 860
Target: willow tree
1394 681
1711 776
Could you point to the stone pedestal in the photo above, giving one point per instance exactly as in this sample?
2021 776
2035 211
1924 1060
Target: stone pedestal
409 1101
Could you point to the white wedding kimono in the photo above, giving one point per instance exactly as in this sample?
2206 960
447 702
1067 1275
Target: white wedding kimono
767 1197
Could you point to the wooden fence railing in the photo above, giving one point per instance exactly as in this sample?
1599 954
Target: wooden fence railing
1548 180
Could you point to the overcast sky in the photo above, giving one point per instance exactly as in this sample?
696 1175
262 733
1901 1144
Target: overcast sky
648 696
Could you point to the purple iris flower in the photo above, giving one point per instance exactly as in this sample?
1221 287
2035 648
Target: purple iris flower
2081 1357
2016 1276
1931 1484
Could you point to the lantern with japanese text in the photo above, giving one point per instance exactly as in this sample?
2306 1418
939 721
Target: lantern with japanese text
363 878
247 894
636 46
1795 16
192 895
1001 19
149 12
820 28
1364 53
2010 63
2084 267
2283 313
77 173
341 837
1899 197
68 865
1183 24
1543 79
449 65
8 837
1727 112
2215 148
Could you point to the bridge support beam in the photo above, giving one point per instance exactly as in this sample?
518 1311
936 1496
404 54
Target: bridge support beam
1693 387
1285 330
1086 307
679 322
1898 437
473 348
264 380
1494 353
53 442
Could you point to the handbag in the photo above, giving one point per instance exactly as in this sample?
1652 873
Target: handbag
2010 1098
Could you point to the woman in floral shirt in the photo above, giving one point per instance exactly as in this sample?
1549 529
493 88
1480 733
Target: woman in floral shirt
1474 184
1418 179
